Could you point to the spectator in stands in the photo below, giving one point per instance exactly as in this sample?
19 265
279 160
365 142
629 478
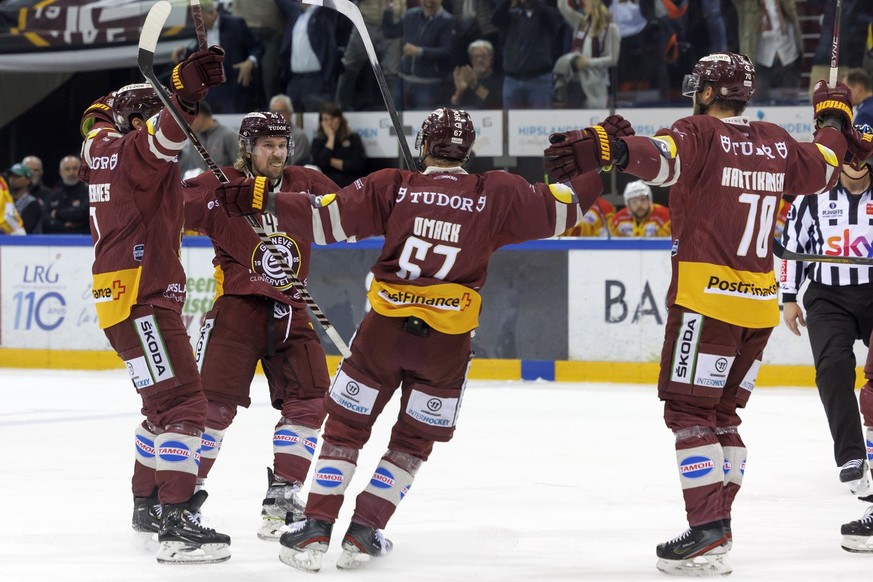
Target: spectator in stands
10 221
66 209
301 155
714 26
309 57
854 16
640 217
220 141
336 149
427 37
582 75
349 95
777 60
267 22
39 190
28 207
530 53
859 83
243 52
635 55
595 222
477 86
750 17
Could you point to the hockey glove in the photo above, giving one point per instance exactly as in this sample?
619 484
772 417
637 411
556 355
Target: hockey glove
243 196
193 77
860 147
579 151
832 107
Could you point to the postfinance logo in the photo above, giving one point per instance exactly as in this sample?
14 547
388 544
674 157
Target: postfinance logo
111 293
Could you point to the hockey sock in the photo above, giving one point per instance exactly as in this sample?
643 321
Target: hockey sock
210 446
734 465
144 466
293 450
700 459
176 461
389 485
333 472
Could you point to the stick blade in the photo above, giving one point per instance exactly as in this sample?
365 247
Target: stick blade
154 24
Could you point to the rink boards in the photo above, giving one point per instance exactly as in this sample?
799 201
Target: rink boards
561 309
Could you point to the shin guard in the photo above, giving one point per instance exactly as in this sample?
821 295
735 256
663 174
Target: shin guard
734 466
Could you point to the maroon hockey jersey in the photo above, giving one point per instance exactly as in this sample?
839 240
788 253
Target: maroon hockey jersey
440 227
136 217
243 265
727 177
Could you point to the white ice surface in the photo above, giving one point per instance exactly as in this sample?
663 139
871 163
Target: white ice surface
543 481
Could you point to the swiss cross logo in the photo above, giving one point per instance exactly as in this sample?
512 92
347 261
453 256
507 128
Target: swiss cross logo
118 289
467 300
869 209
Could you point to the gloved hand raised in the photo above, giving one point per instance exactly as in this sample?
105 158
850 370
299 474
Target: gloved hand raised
579 151
859 146
832 106
243 196
193 77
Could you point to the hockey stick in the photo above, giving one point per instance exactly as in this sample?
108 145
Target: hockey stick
835 46
351 11
148 41
784 253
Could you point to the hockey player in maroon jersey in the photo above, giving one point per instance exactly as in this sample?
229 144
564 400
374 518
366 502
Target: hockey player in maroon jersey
440 225
129 162
261 317
727 175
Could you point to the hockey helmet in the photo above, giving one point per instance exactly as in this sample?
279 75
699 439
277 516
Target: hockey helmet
637 189
446 133
732 76
263 124
137 99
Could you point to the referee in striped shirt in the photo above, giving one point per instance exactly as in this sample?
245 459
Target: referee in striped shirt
839 306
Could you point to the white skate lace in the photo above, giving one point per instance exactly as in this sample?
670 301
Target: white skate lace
680 537
853 464
379 538
868 515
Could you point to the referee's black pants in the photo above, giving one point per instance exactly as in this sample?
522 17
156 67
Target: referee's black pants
836 317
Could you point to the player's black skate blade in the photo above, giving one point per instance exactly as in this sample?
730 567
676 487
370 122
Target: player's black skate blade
304 544
361 544
858 534
699 551
281 506
184 540
147 514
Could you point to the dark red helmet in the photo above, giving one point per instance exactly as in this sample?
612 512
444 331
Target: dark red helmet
731 75
100 110
446 133
263 124
137 99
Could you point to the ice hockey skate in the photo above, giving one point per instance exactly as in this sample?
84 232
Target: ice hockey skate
858 535
700 551
281 506
147 514
856 475
304 544
184 540
360 544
